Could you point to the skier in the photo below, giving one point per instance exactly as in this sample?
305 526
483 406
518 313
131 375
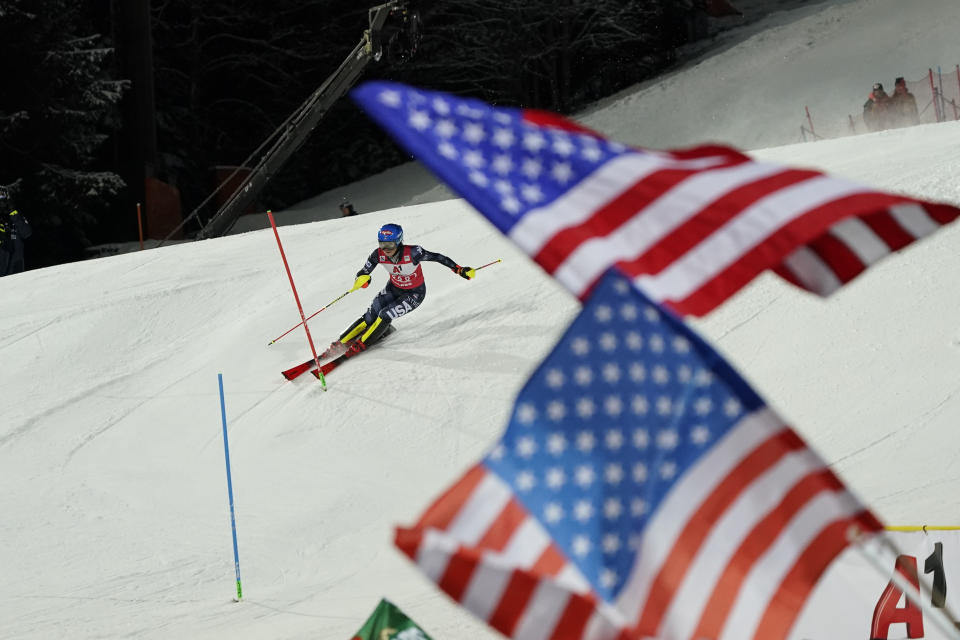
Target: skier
404 292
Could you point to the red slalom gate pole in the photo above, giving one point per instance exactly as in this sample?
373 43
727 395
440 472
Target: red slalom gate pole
933 91
303 319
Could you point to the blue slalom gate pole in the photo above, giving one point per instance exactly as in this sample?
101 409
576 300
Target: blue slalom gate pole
233 518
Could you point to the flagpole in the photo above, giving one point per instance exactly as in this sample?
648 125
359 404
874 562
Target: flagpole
872 548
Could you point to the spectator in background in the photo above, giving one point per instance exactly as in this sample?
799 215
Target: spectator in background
14 229
903 105
346 209
876 110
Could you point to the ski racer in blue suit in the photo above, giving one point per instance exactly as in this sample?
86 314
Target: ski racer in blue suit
405 290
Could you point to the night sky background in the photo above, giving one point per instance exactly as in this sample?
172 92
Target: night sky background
81 125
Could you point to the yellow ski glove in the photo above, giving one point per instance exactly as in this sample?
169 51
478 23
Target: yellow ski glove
465 272
362 282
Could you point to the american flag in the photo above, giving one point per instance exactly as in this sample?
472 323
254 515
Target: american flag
690 227
641 488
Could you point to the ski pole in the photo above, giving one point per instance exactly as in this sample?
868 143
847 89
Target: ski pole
337 299
488 264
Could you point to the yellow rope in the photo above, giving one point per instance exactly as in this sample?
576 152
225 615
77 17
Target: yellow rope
922 527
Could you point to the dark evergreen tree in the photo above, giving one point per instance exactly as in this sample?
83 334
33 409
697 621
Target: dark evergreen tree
229 73
57 108
555 55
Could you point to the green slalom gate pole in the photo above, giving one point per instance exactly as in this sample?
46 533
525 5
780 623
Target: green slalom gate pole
233 518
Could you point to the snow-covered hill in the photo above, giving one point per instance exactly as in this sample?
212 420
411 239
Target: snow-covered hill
115 519
752 93
113 516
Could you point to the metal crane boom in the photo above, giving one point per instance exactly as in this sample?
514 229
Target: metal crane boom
298 128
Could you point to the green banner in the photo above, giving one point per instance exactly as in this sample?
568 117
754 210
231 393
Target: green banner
387 622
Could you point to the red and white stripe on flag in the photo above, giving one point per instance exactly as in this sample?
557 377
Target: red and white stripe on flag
742 540
733 552
480 545
692 227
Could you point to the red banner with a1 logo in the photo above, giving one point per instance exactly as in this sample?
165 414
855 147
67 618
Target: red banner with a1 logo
855 601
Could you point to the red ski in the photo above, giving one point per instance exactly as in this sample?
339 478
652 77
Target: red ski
355 348
334 350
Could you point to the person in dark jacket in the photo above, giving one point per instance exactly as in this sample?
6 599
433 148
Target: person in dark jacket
14 229
876 110
346 209
903 105
405 291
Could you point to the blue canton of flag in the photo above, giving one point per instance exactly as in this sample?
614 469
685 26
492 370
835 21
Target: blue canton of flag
488 154
624 405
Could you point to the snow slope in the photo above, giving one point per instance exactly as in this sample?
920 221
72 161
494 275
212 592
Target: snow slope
113 516
115 511
115 519
752 94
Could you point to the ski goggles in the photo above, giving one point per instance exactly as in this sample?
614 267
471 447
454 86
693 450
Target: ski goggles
388 246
